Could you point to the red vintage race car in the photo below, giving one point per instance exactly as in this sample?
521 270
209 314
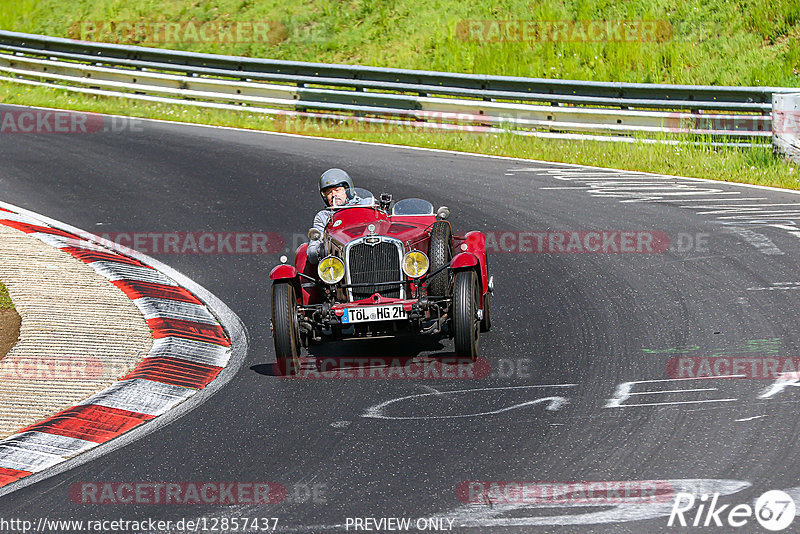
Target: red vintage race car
387 269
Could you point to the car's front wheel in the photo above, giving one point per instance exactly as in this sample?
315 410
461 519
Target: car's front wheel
486 322
466 325
285 329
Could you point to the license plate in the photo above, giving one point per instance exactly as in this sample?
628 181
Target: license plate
373 313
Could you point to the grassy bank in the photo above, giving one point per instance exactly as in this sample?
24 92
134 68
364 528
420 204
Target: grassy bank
5 299
10 322
724 42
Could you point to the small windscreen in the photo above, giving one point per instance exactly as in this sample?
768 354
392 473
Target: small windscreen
413 206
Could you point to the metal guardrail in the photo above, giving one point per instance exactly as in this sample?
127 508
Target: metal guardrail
530 106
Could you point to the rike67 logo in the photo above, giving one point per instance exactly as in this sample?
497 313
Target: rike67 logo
774 510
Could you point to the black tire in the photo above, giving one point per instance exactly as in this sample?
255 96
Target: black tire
285 330
486 322
440 252
466 326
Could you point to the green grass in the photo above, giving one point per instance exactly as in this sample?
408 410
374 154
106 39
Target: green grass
728 42
725 42
749 165
5 299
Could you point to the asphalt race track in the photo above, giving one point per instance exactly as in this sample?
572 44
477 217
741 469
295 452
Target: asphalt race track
585 350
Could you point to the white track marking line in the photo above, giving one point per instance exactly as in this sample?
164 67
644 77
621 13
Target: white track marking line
749 418
554 402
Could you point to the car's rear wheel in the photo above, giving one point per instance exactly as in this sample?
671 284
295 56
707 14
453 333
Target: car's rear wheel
466 325
440 252
285 329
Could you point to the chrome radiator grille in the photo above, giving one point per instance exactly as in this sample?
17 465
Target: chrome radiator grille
371 264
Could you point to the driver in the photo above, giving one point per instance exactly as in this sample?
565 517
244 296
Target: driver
336 189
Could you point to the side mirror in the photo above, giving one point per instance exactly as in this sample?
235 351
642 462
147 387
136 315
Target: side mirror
443 212
314 234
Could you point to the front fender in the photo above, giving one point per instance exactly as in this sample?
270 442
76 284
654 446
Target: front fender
283 272
476 247
464 260
286 273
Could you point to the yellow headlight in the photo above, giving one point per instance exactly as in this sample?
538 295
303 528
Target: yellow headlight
415 264
331 270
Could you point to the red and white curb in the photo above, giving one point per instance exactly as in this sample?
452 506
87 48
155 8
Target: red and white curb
190 351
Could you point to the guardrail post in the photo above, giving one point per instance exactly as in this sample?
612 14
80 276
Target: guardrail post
785 125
